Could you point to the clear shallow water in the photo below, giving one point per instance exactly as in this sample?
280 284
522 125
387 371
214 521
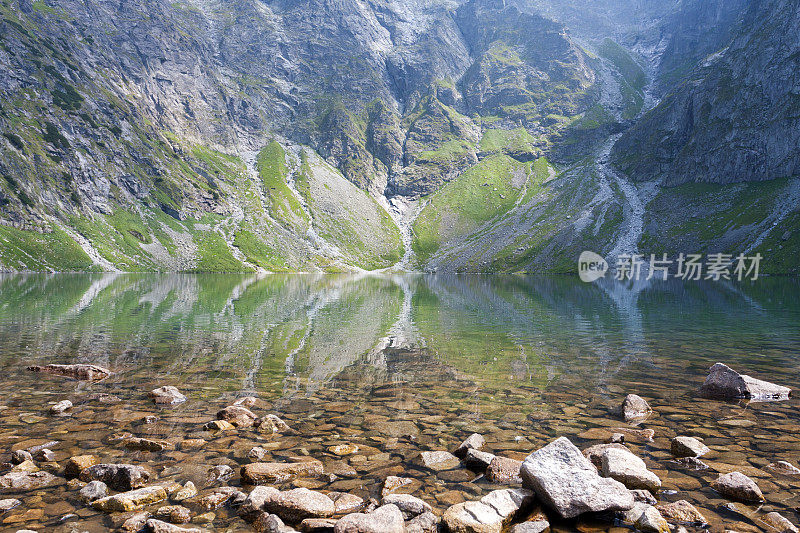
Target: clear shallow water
357 358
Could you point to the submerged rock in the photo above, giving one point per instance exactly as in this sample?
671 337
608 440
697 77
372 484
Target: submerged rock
439 460
238 416
184 493
567 482
725 383
384 519
131 500
148 445
261 473
682 512
688 447
738 486
393 484
635 408
24 481
784 468
122 477
167 395
79 372
779 523
157 526
60 407
176 514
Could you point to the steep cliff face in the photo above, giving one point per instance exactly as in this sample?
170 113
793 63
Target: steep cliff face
297 135
737 115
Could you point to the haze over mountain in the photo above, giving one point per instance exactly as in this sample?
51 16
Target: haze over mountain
487 135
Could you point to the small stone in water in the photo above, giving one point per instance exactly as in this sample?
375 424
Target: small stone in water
386 519
94 490
628 469
504 470
682 512
568 482
784 467
635 408
45 455
246 401
123 477
78 463
260 473
651 521
346 502
394 484
136 522
439 460
409 505
220 473
738 486
20 456
478 460
60 407
187 491
219 425
176 514
8 504
779 523
257 453
131 500
424 523
343 449
238 416
298 504
473 442
167 395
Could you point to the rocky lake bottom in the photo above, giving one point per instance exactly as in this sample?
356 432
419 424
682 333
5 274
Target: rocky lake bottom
365 377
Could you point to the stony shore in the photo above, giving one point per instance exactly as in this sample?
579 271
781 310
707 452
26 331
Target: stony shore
250 468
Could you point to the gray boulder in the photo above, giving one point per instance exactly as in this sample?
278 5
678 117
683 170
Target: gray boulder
567 482
725 383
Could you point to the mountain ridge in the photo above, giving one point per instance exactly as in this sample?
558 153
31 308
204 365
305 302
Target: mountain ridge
163 136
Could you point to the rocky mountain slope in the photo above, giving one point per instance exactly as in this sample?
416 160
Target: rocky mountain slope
445 135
